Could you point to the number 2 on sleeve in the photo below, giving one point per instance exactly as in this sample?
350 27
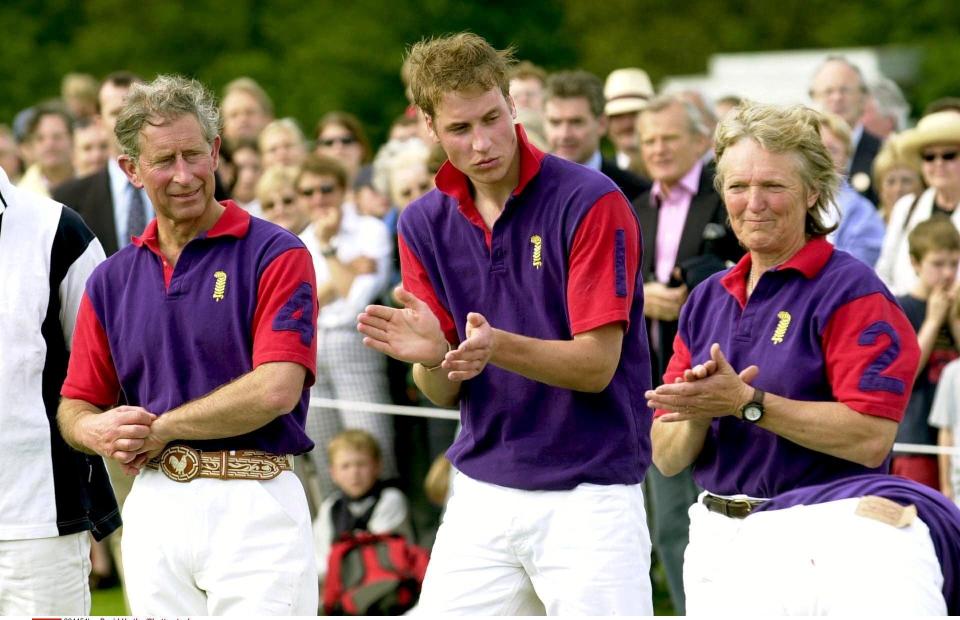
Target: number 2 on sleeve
872 380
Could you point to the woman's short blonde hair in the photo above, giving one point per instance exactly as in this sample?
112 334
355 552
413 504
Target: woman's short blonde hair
274 179
282 125
395 155
793 130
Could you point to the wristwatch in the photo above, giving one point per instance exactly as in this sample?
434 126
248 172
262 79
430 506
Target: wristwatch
753 411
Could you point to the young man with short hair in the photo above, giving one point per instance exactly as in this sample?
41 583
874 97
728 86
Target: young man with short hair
522 301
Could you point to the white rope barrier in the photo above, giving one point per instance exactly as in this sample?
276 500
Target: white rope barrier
916 448
352 405
453 414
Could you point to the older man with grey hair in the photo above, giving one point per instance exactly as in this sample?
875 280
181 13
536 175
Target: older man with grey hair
193 352
838 86
686 238
886 110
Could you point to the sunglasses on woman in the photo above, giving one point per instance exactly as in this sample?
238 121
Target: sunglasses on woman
343 140
945 156
285 201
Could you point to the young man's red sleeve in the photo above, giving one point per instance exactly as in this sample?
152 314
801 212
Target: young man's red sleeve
604 259
417 282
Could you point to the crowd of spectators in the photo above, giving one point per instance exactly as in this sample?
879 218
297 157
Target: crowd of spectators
342 195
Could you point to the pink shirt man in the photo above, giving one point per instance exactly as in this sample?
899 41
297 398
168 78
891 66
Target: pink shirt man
673 214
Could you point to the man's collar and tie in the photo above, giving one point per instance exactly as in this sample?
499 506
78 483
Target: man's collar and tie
132 209
136 212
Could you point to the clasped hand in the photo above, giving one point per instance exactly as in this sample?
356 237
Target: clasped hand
706 391
126 435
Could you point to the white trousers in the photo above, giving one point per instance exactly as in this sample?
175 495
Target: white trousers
821 559
503 551
210 547
45 576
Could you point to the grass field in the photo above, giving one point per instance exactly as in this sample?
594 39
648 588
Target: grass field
108 603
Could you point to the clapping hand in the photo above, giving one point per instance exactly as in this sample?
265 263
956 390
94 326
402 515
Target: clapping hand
410 334
708 390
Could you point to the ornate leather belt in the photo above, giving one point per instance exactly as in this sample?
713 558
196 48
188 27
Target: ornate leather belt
733 508
183 464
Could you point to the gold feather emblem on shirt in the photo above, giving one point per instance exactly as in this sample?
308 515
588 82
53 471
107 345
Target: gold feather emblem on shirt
220 286
782 325
537 243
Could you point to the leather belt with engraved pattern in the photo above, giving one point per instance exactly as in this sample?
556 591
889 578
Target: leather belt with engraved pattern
183 464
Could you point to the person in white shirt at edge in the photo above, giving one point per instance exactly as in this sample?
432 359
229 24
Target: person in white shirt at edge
351 255
935 142
945 416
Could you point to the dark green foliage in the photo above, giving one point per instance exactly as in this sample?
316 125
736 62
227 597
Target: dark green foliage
323 55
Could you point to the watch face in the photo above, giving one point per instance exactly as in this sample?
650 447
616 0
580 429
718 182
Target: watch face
752 412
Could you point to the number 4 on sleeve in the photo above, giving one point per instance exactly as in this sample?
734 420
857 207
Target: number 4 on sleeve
297 314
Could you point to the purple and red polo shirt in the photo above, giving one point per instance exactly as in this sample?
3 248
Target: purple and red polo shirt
155 336
562 259
820 327
941 516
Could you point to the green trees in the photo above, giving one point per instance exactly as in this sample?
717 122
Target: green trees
322 55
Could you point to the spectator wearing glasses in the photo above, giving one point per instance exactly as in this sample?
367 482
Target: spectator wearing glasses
277 195
838 87
340 136
400 168
895 176
935 143
351 255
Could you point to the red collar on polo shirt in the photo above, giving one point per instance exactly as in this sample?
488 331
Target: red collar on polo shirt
809 261
456 184
233 222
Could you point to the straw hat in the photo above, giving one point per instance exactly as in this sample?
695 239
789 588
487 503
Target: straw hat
937 128
627 90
